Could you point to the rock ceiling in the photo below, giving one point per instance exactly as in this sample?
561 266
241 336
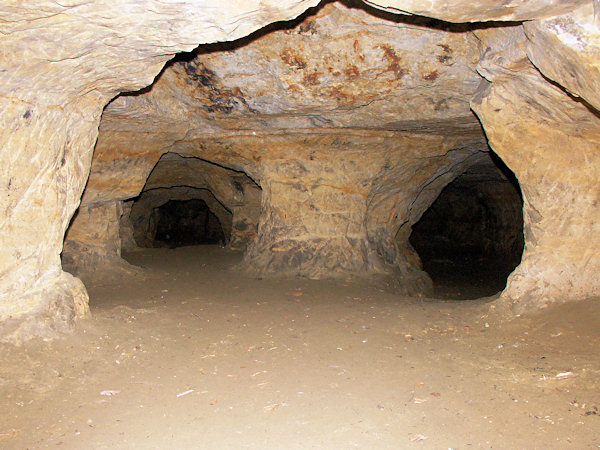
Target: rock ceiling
340 68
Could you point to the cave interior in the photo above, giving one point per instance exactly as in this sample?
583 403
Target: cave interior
458 217
255 223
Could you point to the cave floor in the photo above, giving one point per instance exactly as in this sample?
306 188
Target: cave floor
195 355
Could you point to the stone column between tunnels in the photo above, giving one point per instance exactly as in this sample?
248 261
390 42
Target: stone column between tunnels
311 222
332 208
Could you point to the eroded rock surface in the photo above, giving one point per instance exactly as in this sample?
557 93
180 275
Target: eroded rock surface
92 242
282 103
554 150
575 43
146 222
325 118
478 10
62 63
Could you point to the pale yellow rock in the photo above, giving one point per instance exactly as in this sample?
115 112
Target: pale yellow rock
321 116
478 10
554 150
61 64
574 41
92 246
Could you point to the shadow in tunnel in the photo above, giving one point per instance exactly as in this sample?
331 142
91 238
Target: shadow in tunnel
181 223
471 238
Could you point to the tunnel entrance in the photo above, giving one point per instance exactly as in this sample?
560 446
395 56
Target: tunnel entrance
186 222
471 238
191 201
178 217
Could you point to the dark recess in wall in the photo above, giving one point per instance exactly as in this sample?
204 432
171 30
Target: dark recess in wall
186 222
471 238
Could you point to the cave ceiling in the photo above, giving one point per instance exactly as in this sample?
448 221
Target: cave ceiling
341 67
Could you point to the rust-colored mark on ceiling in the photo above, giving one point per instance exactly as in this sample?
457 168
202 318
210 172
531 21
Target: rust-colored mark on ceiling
431 76
293 59
351 72
393 61
446 55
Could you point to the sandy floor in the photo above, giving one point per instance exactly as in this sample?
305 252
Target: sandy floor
198 356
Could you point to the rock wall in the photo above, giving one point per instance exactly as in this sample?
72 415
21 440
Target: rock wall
173 177
92 242
323 117
180 223
63 63
478 10
554 150
128 243
236 193
145 225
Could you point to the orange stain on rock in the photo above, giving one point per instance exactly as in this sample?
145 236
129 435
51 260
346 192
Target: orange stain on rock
351 72
341 96
312 79
393 61
293 59
431 76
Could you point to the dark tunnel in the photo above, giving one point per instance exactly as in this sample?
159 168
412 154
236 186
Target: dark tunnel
471 237
181 223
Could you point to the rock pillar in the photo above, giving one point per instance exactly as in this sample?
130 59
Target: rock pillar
43 167
558 167
311 223
245 218
553 147
128 243
92 245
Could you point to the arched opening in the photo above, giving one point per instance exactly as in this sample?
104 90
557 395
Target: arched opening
181 223
190 201
471 237
177 217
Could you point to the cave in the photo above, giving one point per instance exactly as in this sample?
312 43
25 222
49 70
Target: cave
326 145
471 237
252 211
186 222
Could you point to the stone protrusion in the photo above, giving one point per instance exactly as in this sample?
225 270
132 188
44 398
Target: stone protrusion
308 227
554 150
92 247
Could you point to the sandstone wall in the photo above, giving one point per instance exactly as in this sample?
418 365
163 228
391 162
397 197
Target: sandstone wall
128 243
554 150
323 117
144 229
92 242
478 10
63 63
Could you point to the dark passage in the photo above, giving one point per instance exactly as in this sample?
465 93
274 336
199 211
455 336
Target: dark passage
471 238
186 222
